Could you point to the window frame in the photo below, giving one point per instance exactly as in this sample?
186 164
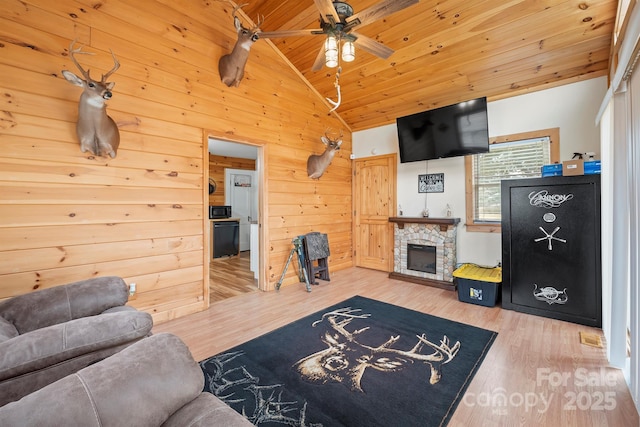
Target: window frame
554 139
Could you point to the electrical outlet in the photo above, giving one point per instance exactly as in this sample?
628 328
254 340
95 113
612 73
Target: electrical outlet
132 289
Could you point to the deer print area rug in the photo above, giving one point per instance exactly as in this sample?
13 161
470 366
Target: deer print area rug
358 363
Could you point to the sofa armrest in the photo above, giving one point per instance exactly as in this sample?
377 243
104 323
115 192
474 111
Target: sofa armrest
54 344
60 304
205 411
140 386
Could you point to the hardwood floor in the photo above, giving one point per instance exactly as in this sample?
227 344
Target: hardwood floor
537 373
230 276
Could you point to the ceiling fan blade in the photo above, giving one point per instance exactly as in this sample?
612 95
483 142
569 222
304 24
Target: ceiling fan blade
377 11
372 46
319 62
327 11
288 33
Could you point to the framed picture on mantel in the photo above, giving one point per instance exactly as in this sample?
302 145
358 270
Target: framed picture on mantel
431 183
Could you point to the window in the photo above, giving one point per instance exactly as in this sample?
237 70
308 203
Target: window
510 157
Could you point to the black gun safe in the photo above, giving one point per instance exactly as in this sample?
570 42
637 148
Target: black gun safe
551 248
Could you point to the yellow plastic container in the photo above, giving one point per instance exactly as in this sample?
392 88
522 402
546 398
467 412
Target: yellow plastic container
478 285
475 272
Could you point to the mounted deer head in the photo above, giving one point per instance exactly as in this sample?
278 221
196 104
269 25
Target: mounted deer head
231 65
97 132
316 164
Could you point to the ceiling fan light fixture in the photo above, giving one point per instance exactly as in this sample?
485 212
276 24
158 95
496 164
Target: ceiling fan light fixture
348 51
331 51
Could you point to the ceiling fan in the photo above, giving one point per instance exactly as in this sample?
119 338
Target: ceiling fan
337 23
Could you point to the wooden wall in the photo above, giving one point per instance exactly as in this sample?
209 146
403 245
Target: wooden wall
66 216
217 166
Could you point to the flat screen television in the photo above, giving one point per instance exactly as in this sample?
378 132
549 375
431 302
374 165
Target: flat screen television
455 130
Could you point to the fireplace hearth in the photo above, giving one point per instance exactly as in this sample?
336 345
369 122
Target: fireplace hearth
424 250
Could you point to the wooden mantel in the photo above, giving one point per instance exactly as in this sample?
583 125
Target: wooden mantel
443 222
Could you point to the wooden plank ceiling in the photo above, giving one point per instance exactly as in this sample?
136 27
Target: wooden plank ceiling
447 51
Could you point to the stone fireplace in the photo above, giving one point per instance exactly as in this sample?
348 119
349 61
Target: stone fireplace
418 235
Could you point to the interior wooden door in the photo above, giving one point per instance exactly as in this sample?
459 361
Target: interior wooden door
374 195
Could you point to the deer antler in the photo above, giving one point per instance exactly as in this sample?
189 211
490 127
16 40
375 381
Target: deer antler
442 354
116 65
329 139
86 73
72 53
348 314
259 21
336 104
238 7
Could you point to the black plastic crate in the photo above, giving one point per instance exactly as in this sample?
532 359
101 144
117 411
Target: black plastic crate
477 292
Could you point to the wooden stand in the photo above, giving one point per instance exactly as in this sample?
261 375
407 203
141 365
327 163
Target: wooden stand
316 247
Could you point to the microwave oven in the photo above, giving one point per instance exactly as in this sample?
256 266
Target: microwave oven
216 212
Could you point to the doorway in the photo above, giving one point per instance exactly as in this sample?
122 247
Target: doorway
242 196
235 167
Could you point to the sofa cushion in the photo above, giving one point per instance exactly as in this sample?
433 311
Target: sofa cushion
16 388
47 346
119 308
7 330
60 304
140 386
205 411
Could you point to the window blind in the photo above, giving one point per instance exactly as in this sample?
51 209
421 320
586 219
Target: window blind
509 160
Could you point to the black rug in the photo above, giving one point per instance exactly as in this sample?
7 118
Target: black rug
358 363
